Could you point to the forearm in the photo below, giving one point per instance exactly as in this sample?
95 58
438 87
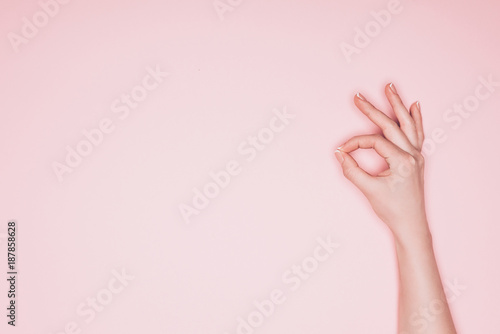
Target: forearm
423 307
397 197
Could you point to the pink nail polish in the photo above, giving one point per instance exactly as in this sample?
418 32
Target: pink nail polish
339 156
361 97
418 105
393 88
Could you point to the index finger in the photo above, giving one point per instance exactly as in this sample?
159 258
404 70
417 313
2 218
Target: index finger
389 127
387 150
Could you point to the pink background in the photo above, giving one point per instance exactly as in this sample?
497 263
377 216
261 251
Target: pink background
119 209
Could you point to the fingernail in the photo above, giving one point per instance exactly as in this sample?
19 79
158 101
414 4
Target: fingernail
339 156
393 88
361 97
418 105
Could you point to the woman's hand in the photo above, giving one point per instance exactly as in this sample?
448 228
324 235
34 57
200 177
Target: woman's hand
396 194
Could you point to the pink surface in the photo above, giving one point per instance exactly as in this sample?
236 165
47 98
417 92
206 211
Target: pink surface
106 230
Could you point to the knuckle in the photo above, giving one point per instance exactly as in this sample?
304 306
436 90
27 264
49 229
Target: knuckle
353 138
409 160
419 158
358 137
413 161
349 173
409 126
389 127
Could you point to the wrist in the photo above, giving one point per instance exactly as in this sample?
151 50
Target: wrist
417 234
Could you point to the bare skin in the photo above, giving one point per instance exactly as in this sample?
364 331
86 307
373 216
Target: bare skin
397 197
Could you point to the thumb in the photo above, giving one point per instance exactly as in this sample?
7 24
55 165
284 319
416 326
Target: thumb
352 171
